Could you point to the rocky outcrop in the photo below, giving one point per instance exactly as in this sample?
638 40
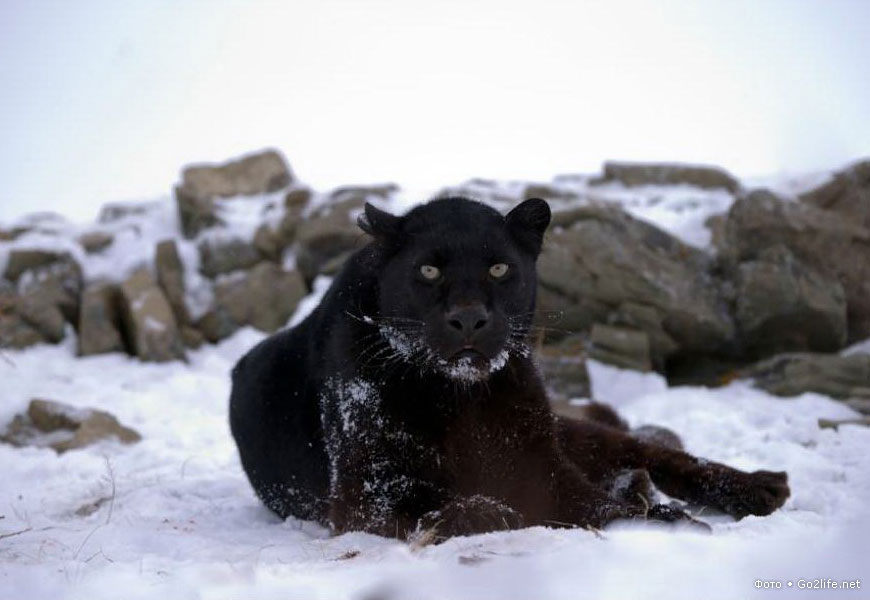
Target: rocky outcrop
117 211
784 305
835 248
272 239
63 427
230 309
95 241
21 261
42 314
170 277
607 267
786 276
99 320
845 377
151 329
620 346
633 174
46 296
847 194
15 331
195 214
328 236
264 298
548 192
268 243
563 366
219 255
257 173
200 185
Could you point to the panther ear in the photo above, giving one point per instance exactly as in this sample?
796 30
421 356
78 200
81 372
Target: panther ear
378 223
527 222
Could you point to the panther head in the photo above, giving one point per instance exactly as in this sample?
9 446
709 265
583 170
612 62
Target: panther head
456 283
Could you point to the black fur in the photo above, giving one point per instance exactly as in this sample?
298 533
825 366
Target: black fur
408 399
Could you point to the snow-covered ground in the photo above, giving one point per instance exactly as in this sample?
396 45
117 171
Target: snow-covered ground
174 517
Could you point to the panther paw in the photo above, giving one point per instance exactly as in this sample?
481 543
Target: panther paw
469 516
759 493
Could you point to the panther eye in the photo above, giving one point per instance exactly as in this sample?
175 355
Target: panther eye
498 270
429 272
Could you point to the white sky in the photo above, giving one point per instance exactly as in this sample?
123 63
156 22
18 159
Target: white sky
104 101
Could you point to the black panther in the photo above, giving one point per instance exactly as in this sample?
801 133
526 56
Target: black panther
408 400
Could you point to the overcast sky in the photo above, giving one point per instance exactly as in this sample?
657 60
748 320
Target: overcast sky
103 101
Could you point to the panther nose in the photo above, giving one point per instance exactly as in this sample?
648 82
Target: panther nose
469 319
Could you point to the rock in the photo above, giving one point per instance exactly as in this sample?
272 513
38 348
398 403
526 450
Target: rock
647 319
95 241
170 278
548 192
633 174
21 261
835 247
229 311
265 298
268 243
148 321
192 338
274 295
362 193
328 233
8 235
836 423
116 211
847 194
862 405
612 269
258 173
15 332
195 214
58 283
295 203
43 316
64 427
29 318
99 320
218 256
829 374
297 198
563 366
557 316
619 346
784 305
716 225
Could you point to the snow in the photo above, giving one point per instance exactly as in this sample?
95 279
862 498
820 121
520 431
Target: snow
179 518
173 516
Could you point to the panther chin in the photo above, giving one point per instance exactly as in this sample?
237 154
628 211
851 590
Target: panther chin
470 366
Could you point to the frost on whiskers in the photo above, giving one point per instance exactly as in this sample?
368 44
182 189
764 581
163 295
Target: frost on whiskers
413 349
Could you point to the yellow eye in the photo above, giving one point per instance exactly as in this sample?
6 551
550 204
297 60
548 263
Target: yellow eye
429 272
498 270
